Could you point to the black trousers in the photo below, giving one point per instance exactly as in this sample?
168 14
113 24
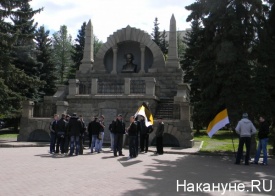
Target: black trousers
159 145
90 140
243 141
80 144
66 143
118 140
132 146
60 143
144 138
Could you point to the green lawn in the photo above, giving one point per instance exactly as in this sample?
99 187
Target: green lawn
5 136
221 142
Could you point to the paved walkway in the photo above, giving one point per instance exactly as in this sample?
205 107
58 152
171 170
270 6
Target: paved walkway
12 143
32 171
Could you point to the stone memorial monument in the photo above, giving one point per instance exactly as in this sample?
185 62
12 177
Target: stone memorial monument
109 86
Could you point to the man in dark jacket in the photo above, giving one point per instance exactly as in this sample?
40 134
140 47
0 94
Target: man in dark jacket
60 134
67 135
159 137
81 136
132 133
53 129
119 131
94 129
74 128
263 140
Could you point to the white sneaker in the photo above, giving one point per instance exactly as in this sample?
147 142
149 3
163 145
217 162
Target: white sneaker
129 158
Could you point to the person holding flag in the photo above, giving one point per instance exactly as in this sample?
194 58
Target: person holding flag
144 111
144 125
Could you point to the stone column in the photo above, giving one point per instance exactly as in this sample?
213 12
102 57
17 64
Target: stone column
114 71
150 85
61 107
94 86
127 86
142 60
73 86
27 110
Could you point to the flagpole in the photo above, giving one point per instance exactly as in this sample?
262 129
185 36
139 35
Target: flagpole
233 141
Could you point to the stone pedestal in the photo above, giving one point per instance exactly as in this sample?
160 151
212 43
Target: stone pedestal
61 107
150 84
27 109
73 87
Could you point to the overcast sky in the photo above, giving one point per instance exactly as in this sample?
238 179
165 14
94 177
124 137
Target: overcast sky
108 16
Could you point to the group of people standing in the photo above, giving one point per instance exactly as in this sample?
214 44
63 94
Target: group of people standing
72 129
245 129
67 131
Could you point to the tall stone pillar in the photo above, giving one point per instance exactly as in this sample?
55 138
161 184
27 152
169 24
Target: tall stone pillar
88 54
173 60
142 60
114 71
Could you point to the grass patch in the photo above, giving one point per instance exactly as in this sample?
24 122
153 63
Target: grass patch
221 142
9 135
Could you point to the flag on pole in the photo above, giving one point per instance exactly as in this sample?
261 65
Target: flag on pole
144 111
220 120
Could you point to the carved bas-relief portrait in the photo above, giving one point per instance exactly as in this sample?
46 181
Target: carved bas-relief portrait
129 67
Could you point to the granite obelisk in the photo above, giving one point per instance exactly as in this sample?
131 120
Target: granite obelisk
173 60
88 55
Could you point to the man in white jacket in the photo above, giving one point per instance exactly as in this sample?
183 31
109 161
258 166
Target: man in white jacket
245 129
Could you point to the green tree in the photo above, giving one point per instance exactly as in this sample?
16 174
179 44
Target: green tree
62 51
24 53
160 38
264 71
225 66
97 44
190 59
78 50
44 55
11 77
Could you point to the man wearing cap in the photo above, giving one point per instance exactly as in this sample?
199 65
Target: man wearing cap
245 129
119 130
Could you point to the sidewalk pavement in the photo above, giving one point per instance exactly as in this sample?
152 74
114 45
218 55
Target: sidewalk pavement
12 143
32 171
